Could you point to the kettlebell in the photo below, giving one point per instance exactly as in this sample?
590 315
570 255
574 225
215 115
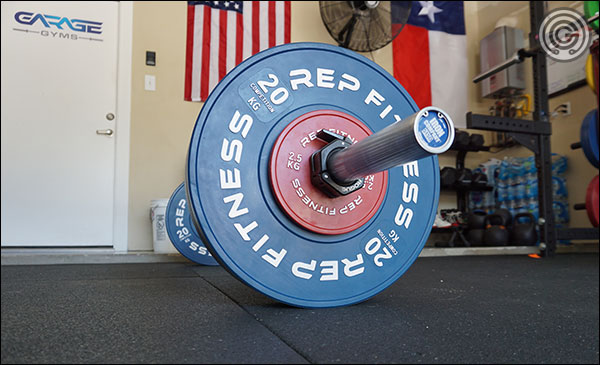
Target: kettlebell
495 232
524 233
476 220
475 236
505 213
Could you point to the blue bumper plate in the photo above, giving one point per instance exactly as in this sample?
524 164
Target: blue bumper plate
182 232
229 189
589 137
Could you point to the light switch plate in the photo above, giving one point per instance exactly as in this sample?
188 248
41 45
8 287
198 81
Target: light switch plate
150 82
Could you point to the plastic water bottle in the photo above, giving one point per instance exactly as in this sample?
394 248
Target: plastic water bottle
533 207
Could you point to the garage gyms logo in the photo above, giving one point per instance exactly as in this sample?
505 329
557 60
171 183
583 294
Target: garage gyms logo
564 35
57 26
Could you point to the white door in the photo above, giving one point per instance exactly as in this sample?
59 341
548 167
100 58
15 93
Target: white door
59 82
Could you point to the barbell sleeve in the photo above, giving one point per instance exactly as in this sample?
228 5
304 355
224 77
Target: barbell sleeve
427 132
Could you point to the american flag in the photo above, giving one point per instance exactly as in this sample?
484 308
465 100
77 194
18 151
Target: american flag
221 34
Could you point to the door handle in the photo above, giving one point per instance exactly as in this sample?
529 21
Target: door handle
106 132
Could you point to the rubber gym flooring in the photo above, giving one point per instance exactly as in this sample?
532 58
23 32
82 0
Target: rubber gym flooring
475 309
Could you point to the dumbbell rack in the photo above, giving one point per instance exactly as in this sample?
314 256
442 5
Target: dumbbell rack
535 136
462 196
462 192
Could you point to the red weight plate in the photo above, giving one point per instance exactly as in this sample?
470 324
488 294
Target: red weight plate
289 172
591 201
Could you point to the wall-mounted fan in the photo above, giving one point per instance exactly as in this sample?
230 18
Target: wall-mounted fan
364 26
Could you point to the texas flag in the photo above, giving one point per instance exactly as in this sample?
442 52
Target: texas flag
430 56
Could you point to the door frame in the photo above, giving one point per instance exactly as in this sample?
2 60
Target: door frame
122 127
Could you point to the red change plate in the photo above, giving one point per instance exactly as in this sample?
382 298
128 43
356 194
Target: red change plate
289 172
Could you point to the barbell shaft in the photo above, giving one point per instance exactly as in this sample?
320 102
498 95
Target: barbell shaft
513 60
517 57
418 136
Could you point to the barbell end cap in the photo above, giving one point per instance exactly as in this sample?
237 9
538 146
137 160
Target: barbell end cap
434 130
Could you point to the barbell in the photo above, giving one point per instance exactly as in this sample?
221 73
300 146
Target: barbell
312 176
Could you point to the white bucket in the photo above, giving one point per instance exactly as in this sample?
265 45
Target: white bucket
160 238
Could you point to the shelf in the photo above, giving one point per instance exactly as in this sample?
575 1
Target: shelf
442 230
469 148
468 188
505 250
462 190
479 251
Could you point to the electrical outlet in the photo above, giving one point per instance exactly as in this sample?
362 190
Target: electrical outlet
567 110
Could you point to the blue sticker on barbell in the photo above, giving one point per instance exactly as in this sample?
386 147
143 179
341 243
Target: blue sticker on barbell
434 129
242 223
182 231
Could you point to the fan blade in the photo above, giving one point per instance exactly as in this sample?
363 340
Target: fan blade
346 33
382 34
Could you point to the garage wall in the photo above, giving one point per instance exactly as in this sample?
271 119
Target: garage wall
162 122
565 129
